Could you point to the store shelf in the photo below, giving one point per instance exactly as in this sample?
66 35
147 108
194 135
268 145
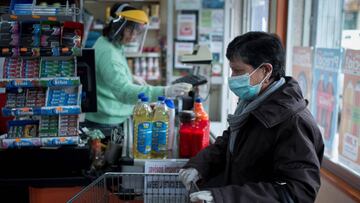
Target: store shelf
40 82
4 9
101 27
20 142
56 141
146 54
11 17
36 142
47 110
39 51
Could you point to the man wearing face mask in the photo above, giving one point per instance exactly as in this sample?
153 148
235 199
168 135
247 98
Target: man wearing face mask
273 149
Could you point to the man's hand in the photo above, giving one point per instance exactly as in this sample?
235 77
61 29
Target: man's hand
187 176
201 196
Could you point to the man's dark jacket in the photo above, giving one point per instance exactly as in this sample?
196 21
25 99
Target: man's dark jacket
279 142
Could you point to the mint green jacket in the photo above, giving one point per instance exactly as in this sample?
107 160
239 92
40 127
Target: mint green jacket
116 92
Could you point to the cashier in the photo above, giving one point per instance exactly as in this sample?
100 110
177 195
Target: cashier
273 148
117 88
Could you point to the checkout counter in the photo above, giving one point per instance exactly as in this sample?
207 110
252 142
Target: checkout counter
40 174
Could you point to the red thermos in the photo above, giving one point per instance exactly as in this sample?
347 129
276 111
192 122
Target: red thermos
186 131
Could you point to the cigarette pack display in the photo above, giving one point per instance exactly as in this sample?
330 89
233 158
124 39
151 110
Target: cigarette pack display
63 96
50 34
32 97
72 33
49 126
9 27
57 68
30 33
68 125
39 74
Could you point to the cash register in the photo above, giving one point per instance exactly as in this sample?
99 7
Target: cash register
201 56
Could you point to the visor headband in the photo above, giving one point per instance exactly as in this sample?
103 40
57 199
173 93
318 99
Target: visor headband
121 8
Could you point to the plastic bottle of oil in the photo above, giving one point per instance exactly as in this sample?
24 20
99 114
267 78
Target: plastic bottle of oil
142 130
159 147
139 102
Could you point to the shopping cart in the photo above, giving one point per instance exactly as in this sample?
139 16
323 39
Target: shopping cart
135 188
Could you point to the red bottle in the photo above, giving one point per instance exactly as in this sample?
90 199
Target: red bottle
186 131
201 137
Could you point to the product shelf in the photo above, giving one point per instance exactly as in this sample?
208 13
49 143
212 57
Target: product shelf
145 54
12 17
44 111
56 141
39 51
20 142
40 82
41 40
22 12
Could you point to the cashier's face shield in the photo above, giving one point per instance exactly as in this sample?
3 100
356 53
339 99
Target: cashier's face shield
130 29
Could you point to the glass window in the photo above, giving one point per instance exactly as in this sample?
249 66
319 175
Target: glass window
259 11
323 52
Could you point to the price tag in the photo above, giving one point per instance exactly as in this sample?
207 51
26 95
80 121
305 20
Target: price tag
51 18
13 17
59 109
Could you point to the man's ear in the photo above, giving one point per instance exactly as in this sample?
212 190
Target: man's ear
267 69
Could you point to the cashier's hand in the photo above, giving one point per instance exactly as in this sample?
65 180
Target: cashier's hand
187 176
139 80
178 89
201 196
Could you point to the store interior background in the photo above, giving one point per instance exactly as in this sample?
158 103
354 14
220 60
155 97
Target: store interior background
310 24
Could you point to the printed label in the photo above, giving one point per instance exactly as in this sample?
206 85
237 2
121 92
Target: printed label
159 136
144 137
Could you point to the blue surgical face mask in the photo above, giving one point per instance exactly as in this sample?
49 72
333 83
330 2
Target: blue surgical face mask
241 87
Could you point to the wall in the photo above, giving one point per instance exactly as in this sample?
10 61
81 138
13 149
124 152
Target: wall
329 193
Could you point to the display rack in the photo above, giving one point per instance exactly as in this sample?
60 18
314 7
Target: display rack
40 43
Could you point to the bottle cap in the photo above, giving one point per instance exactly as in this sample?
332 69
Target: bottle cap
161 98
141 95
170 103
186 116
198 100
144 99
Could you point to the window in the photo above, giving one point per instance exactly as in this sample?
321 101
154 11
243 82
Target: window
323 54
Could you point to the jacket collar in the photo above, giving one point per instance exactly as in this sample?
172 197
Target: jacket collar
281 105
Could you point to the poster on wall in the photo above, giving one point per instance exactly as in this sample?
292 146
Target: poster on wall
186 27
182 48
211 21
349 132
302 69
325 94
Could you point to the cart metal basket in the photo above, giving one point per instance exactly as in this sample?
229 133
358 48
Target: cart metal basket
135 188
